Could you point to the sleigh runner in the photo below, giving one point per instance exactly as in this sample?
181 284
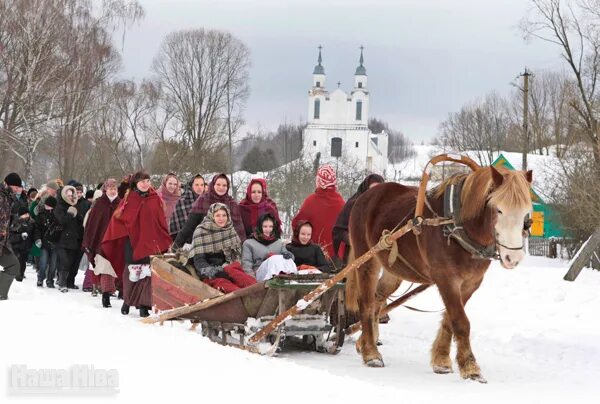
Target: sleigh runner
233 318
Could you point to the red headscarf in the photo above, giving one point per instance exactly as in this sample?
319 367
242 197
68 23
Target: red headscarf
204 201
169 198
140 220
252 211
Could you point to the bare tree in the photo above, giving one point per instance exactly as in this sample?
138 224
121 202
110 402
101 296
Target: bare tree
480 127
54 54
204 78
575 29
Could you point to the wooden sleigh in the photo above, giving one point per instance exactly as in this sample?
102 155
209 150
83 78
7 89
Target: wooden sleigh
233 318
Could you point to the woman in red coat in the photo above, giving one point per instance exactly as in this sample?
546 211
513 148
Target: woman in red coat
322 208
137 230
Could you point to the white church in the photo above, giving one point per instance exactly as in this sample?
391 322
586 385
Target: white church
337 123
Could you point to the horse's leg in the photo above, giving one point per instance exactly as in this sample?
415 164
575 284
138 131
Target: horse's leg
366 344
440 350
451 291
387 285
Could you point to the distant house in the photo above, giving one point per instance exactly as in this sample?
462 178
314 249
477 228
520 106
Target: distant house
545 218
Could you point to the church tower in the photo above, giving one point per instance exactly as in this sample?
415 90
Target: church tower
360 95
317 94
319 72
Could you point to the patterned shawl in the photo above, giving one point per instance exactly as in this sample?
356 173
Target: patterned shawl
209 238
205 200
182 210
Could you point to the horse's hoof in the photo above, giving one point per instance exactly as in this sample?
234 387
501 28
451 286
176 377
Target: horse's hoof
477 378
442 370
375 363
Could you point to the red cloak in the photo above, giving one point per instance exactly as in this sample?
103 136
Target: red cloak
142 220
321 209
98 220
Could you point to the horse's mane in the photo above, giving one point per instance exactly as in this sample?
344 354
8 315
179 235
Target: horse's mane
479 189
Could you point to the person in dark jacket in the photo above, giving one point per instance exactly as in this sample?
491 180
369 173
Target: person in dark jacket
306 253
68 246
21 236
340 230
46 233
9 265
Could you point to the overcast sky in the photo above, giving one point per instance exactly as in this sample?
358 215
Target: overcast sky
424 58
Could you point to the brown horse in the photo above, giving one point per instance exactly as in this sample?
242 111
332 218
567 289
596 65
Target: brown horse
495 204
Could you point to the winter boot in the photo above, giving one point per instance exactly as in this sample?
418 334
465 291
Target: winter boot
94 290
106 300
144 311
125 309
40 284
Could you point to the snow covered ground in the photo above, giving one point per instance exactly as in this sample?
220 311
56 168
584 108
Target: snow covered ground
536 337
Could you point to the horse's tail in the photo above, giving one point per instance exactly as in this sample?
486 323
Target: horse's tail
352 287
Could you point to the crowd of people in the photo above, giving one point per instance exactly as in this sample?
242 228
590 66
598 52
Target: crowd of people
111 232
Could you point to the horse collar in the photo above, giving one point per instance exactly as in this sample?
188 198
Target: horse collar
455 230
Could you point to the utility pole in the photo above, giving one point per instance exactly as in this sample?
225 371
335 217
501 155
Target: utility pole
526 74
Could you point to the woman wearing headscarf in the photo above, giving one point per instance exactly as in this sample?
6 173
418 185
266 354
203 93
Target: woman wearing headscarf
136 231
99 217
340 230
306 253
193 190
217 193
216 251
170 193
322 207
257 203
264 254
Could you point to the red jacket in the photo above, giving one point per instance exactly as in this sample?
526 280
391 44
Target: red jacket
321 209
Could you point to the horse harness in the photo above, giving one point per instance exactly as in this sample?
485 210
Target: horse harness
455 230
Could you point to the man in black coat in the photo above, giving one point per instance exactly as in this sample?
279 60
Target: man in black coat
68 247
9 264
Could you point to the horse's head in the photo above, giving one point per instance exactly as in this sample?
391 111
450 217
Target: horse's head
505 198
510 201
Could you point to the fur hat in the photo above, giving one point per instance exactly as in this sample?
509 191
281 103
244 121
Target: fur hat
64 196
53 185
326 177
14 180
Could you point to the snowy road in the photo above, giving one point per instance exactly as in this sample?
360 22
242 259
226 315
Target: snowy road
536 338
